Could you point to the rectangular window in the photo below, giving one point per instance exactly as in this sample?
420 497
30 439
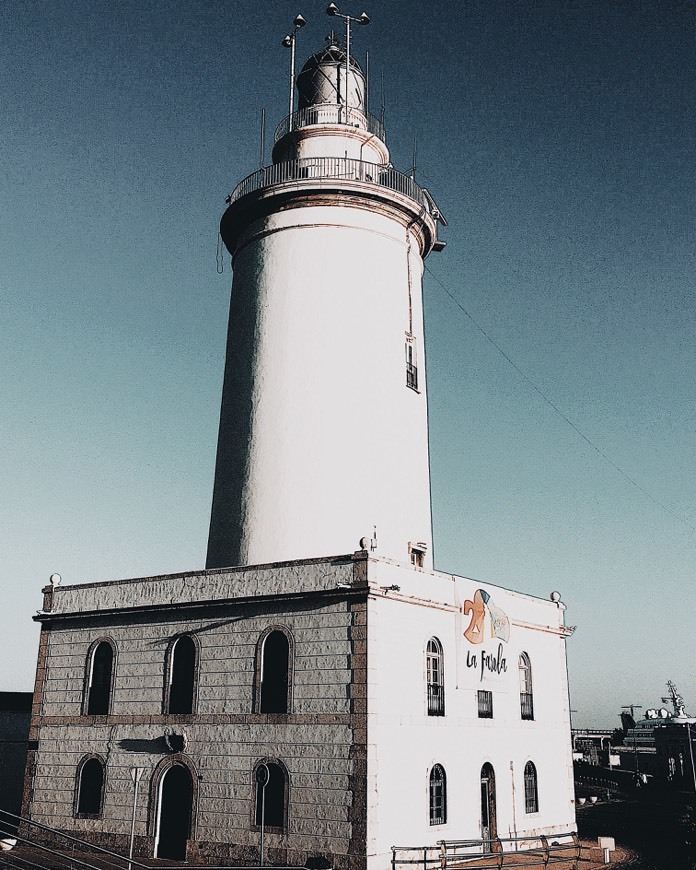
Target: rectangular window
411 363
485 704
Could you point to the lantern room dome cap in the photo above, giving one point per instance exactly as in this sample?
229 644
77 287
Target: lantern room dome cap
331 54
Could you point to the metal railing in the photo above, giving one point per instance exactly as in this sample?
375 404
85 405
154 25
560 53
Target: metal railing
39 847
330 113
563 849
436 692
485 704
527 705
340 168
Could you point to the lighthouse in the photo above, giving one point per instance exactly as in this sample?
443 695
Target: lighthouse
323 438
318 694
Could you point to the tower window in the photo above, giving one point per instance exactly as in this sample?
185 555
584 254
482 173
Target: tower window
411 363
438 795
89 787
98 679
485 704
274 672
435 678
526 697
181 672
270 800
531 794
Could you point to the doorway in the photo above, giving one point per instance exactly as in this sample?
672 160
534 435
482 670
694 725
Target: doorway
174 822
489 825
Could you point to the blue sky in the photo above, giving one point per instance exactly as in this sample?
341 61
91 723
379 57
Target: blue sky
558 139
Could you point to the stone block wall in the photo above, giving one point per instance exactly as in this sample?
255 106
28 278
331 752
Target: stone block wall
320 741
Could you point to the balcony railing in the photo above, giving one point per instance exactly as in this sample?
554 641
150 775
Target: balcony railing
330 113
340 168
527 705
436 700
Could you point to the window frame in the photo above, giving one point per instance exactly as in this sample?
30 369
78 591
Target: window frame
259 664
524 670
435 689
484 699
89 672
168 674
531 788
274 829
77 793
433 785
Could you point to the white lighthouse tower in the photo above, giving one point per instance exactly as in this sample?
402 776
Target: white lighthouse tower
323 430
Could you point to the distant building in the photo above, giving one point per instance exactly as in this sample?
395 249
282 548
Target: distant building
346 703
15 715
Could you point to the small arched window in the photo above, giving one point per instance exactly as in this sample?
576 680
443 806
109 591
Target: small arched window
531 794
99 678
274 677
526 697
89 787
434 665
270 799
181 676
438 795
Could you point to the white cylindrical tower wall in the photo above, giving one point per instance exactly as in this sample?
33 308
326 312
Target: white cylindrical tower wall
320 438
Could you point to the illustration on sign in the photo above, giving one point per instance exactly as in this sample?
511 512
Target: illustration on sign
500 624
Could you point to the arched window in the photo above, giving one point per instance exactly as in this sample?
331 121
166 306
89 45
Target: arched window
438 795
531 794
526 698
180 690
271 798
274 673
89 786
99 678
434 664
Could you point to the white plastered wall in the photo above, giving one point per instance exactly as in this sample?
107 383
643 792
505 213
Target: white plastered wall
404 742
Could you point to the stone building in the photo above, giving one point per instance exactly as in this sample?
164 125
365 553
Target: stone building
343 703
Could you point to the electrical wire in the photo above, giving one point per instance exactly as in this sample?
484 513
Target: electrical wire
556 409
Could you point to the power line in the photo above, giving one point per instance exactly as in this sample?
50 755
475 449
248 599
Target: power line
556 409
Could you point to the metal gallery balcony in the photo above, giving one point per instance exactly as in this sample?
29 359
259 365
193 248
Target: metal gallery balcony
338 168
330 113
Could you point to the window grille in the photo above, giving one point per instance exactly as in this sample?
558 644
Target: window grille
485 704
526 696
411 364
435 678
531 796
438 795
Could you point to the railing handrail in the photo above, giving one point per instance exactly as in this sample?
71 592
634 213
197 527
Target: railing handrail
330 113
318 168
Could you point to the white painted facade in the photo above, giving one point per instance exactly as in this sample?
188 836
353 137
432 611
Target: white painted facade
404 742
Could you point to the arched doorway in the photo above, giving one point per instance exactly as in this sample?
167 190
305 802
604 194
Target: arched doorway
489 824
174 816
